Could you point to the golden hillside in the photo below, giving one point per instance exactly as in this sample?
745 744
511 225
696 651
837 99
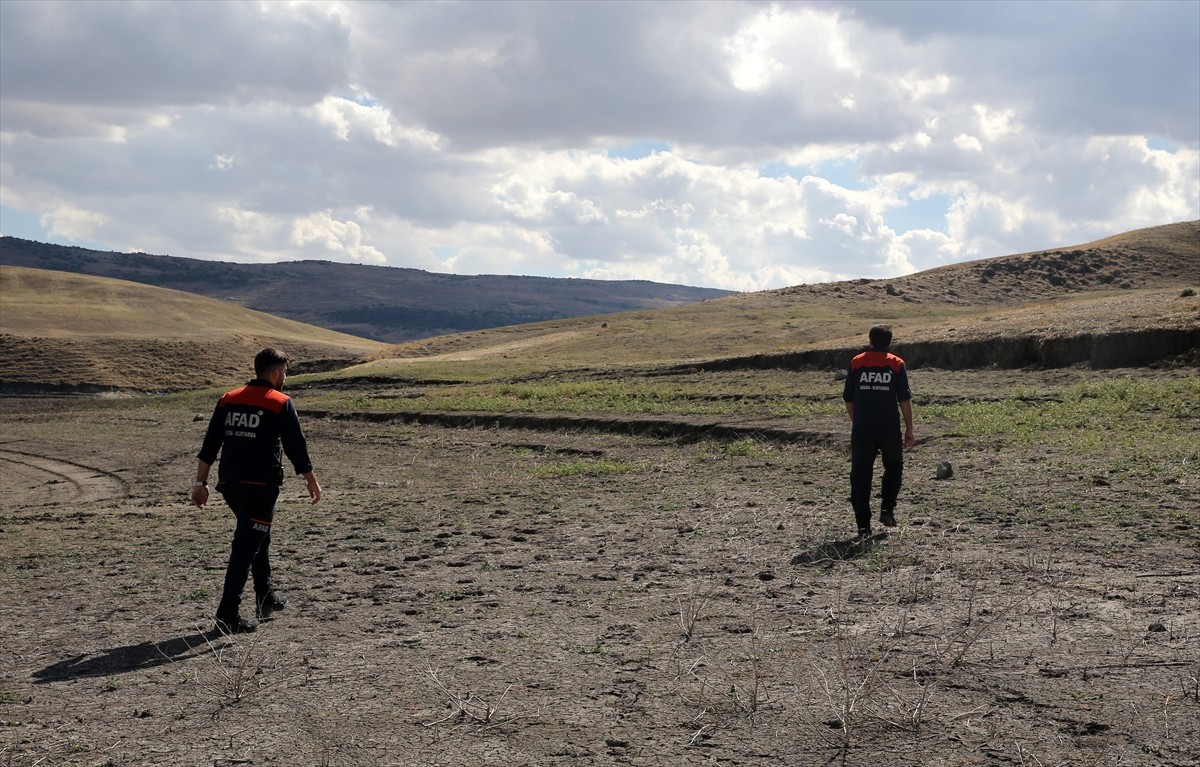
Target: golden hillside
1127 283
76 332
1118 301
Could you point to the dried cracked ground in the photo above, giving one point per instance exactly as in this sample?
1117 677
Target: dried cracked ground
520 597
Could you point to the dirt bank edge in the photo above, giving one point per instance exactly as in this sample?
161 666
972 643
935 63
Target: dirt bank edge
684 430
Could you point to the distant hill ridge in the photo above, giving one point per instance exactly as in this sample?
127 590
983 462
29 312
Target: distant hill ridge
1053 307
384 303
1127 300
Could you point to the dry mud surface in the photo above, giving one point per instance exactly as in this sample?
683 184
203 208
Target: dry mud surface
519 597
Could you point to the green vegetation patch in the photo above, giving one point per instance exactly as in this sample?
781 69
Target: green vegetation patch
747 448
766 394
1123 405
593 468
1151 421
195 595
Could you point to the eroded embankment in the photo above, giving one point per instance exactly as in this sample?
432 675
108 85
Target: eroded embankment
682 428
1126 348
1104 350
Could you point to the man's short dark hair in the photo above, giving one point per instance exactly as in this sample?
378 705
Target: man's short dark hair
881 337
269 359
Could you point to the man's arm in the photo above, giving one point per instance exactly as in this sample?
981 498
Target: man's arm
295 447
910 437
848 391
214 435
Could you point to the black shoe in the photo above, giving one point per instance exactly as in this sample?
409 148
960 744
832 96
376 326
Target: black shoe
235 624
267 605
864 532
887 517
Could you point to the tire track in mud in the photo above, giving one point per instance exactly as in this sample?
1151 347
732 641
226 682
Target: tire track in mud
36 479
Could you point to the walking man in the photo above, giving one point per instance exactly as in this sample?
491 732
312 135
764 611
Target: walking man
249 427
876 394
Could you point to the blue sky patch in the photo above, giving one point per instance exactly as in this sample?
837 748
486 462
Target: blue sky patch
844 173
1161 144
927 213
18 223
639 149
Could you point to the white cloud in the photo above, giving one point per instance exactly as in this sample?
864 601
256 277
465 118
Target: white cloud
968 143
73 223
350 119
333 236
791 143
751 65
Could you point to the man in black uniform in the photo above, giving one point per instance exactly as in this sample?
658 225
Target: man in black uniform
248 427
875 386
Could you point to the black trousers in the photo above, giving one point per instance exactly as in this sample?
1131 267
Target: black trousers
863 450
250 554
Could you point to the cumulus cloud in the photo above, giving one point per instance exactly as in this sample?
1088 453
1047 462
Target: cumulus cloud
735 145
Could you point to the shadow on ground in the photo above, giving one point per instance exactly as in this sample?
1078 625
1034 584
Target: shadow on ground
836 551
143 655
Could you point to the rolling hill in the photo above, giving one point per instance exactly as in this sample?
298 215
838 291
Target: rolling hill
1125 300
1113 302
69 332
379 302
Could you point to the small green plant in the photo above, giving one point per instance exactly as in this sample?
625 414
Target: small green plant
1023 393
455 595
1187 293
596 649
195 595
885 559
599 467
747 448
111 684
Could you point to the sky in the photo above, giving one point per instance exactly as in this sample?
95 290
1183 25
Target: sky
735 145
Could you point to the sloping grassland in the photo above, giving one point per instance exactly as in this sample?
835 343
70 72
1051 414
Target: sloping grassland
1125 300
68 332
1113 302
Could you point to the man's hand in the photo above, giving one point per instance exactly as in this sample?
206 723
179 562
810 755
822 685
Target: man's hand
314 487
199 496
200 486
910 434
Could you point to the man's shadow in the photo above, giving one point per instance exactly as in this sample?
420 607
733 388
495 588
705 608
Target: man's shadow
838 551
136 657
